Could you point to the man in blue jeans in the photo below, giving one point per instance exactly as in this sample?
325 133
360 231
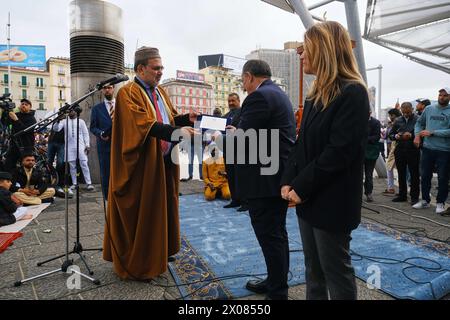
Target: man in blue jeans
434 127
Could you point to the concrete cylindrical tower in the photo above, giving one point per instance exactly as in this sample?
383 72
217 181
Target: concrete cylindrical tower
96 53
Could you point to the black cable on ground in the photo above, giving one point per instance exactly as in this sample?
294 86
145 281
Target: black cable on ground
419 232
410 265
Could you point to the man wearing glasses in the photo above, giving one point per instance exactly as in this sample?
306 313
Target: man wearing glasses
142 227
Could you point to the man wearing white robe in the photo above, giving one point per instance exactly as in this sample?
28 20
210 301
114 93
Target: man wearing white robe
84 146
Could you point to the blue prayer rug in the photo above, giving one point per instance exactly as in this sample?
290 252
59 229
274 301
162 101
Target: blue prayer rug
220 254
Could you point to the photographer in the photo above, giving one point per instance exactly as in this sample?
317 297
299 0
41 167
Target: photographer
19 121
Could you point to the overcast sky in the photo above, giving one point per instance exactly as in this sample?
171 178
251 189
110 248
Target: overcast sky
185 29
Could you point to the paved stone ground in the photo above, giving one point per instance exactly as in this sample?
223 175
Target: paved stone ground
19 261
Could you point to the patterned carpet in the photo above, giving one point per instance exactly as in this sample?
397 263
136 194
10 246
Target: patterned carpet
220 254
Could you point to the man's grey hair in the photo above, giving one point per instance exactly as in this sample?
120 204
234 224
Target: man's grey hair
257 68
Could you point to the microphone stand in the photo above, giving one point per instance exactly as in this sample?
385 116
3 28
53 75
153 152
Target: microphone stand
78 249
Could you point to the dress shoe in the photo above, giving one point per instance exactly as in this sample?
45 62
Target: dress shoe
257 286
243 208
369 198
171 259
186 179
232 204
399 199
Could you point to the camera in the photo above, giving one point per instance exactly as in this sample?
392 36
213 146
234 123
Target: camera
6 103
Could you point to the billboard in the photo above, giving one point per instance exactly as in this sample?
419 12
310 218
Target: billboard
23 56
191 76
233 63
222 60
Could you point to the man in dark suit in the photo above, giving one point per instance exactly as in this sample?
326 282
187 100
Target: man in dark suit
101 125
268 110
233 117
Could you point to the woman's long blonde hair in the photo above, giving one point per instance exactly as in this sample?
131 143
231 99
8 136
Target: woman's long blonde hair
330 53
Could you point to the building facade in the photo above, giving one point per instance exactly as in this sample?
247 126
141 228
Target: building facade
190 91
29 84
59 89
223 82
285 64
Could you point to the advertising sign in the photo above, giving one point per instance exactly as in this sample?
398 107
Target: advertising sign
23 56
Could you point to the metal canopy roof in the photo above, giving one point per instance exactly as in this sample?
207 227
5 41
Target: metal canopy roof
417 29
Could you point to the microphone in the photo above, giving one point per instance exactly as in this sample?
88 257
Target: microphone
118 78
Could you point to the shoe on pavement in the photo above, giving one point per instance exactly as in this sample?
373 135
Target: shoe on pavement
90 188
440 208
421 205
399 199
389 191
369 198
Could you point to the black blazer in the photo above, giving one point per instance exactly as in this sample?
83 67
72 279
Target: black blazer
326 166
266 108
101 122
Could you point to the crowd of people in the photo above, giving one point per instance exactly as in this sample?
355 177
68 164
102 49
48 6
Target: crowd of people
32 166
418 145
321 163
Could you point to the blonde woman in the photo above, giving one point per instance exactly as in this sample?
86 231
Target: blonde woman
325 168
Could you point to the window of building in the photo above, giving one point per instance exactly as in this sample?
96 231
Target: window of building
190 92
183 101
61 95
61 81
41 106
6 90
24 80
24 94
61 70
40 82
5 78
41 95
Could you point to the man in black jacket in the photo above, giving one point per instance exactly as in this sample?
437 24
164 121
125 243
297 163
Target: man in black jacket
372 154
407 156
25 142
233 117
267 108
29 185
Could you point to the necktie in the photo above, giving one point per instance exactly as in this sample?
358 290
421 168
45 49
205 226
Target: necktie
111 109
164 144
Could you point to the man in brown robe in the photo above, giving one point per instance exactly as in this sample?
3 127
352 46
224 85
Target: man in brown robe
142 229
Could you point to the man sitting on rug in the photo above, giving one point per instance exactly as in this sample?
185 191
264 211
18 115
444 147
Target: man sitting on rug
10 210
29 185
215 177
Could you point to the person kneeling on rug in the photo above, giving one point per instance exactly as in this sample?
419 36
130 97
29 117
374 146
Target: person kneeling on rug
215 177
10 207
29 185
